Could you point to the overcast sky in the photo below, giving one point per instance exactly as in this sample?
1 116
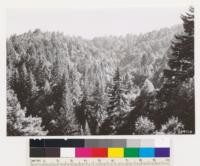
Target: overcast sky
89 23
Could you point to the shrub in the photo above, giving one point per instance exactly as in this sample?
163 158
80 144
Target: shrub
172 126
144 126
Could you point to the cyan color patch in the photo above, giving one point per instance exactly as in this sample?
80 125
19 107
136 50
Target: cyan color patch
147 152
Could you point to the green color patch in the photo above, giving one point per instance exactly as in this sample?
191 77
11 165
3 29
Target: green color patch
131 152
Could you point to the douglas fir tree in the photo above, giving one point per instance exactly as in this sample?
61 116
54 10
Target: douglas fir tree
180 75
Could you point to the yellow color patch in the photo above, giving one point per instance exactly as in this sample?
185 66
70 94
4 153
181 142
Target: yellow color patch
115 152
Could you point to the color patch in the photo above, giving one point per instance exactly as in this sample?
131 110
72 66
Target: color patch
146 152
67 152
133 143
131 152
37 143
115 152
90 143
83 152
162 152
105 143
99 152
164 143
118 143
147 143
52 152
75 143
37 152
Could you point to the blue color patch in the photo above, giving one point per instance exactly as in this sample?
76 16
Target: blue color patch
147 152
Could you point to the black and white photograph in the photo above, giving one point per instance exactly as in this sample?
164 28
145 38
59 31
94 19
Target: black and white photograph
103 71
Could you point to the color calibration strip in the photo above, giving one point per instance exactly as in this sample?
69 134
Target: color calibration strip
99 148
100 152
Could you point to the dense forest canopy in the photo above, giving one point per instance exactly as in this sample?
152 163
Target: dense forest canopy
64 85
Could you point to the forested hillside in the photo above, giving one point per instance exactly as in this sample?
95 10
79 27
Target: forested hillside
64 85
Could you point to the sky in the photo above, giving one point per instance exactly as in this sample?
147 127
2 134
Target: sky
89 23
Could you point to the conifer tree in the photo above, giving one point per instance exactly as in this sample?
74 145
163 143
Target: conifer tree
181 60
180 75
96 109
63 121
117 107
83 113
24 85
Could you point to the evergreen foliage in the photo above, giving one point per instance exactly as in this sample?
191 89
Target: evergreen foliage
18 124
133 84
117 106
181 74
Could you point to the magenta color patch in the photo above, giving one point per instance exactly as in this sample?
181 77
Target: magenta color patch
83 152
